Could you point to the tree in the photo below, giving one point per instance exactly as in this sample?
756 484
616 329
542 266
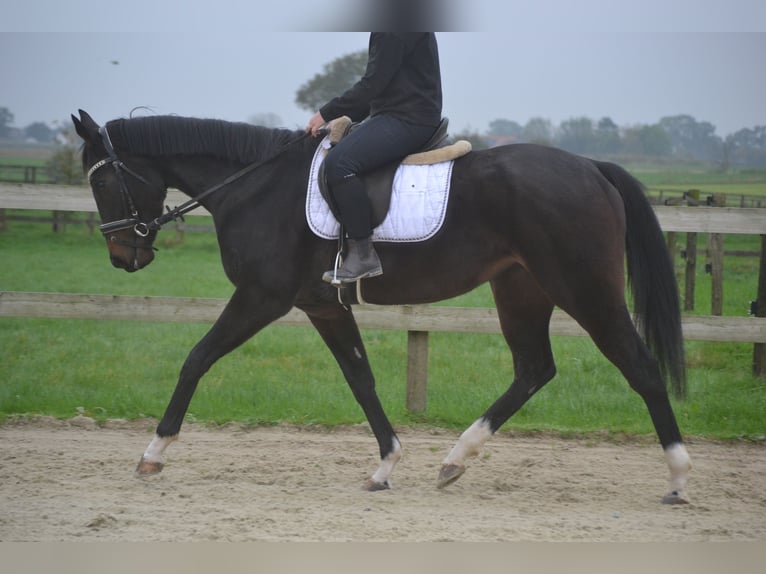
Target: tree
538 130
692 139
40 132
475 138
503 127
336 78
747 146
6 120
267 120
65 165
576 135
645 140
607 136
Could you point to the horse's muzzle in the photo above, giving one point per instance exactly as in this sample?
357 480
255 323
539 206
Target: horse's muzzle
129 256
130 266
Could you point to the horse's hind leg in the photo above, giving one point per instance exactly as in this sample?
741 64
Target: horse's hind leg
339 330
616 337
524 312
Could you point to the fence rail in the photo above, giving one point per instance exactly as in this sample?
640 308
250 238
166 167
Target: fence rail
428 318
418 321
23 173
737 220
54 197
675 196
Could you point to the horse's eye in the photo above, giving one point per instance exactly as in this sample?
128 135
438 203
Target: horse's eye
100 184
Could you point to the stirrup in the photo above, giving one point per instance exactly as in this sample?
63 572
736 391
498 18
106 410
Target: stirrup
335 282
341 287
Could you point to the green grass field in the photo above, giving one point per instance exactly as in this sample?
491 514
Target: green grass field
734 183
128 370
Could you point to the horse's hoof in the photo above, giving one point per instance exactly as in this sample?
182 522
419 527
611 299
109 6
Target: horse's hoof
675 497
373 485
148 468
449 474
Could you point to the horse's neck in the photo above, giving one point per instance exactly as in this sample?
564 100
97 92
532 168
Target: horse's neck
195 175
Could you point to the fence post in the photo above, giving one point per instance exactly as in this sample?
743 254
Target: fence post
30 174
180 228
417 371
673 247
691 270
59 221
716 261
690 276
759 350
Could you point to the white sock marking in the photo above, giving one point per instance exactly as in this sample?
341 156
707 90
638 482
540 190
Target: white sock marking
680 464
154 452
470 443
386 468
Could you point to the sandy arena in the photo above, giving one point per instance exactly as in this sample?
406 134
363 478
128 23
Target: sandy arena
74 481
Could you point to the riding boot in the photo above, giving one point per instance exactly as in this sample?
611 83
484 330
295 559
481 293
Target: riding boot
360 262
354 211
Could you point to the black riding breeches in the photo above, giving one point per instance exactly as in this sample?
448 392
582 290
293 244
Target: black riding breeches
377 141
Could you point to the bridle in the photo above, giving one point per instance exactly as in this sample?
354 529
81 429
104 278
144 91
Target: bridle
141 227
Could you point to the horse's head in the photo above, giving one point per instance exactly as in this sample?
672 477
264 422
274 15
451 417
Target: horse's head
129 194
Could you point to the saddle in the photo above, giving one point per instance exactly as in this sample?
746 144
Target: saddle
379 182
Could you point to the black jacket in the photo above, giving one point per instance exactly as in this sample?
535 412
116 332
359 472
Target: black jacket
402 78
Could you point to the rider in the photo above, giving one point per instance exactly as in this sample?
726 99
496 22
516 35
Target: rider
402 95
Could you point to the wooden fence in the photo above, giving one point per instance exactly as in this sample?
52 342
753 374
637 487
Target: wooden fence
418 321
23 173
659 196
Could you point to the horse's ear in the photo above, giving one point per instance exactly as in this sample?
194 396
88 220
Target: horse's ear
85 126
78 127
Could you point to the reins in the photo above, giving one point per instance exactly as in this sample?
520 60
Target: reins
179 211
143 228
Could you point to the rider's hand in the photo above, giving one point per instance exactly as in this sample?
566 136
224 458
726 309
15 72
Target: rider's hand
315 123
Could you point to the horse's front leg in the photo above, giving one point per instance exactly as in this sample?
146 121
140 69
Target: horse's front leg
339 331
246 313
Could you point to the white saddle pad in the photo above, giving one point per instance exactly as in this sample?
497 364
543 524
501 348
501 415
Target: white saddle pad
418 203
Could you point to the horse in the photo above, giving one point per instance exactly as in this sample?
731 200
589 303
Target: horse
544 227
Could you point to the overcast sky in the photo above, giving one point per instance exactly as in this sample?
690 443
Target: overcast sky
558 59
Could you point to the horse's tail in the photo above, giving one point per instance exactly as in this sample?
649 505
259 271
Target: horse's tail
651 278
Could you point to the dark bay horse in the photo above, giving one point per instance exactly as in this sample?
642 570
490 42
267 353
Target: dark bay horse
546 228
